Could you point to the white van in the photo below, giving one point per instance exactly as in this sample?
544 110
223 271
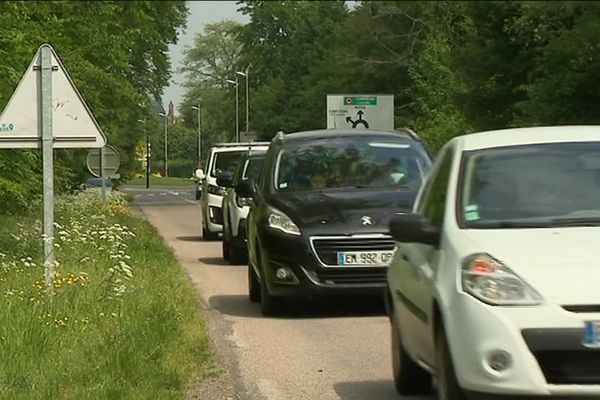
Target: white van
223 159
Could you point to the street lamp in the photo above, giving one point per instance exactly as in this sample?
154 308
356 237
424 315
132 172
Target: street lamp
197 108
245 75
166 163
237 114
147 153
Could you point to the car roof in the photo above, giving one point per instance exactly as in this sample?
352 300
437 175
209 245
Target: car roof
331 133
224 147
525 136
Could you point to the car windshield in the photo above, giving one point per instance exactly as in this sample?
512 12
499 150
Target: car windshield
226 162
352 161
544 185
252 167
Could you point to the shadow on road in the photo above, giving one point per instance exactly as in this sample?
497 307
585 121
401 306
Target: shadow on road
236 305
240 306
213 261
376 390
190 238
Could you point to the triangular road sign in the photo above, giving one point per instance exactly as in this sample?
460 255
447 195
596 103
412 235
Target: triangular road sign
73 125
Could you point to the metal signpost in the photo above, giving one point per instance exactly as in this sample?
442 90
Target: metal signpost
46 111
103 163
360 111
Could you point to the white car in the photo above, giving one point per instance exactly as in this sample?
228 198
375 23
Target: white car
495 285
236 208
223 160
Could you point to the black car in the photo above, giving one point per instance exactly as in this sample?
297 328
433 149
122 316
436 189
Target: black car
319 222
236 207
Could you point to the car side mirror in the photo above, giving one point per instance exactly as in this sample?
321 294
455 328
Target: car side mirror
225 180
199 173
414 228
246 188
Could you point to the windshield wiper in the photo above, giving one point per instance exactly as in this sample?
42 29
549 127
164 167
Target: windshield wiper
508 224
575 222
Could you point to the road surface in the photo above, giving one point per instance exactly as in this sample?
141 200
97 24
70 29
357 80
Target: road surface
333 350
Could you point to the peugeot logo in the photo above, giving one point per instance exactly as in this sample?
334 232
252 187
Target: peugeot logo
366 220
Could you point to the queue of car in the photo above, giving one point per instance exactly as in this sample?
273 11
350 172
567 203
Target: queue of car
485 258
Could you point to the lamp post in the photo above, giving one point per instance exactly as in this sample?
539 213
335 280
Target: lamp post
237 114
197 108
245 75
166 162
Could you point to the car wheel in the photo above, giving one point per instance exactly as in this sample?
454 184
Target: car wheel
237 255
448 388
253 285
409 378
269 305
226 248
208 235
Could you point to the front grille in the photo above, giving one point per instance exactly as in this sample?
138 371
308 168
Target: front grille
327 249
571 367
356 276
562 357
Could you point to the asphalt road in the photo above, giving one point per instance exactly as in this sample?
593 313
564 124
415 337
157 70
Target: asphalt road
333 349
160 196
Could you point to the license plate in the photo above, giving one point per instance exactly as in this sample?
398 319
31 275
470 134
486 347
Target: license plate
591 336
352 258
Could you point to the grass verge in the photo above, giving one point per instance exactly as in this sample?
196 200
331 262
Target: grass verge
123 322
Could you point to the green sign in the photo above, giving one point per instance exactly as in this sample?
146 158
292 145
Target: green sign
360 100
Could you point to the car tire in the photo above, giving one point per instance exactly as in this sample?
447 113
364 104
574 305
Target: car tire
208 235
269 305
253 285
226 248
409 377
237 255
448 387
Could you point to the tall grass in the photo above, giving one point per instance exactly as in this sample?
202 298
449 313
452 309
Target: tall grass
123 322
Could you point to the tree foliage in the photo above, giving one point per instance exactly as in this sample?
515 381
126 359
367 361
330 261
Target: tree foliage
115 53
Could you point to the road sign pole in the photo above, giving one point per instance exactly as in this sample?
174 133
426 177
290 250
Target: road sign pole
147 161
46 68
102 175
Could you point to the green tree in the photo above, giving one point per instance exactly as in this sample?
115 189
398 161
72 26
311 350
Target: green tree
116 54
208 64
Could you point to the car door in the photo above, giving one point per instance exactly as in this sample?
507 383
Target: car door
415 265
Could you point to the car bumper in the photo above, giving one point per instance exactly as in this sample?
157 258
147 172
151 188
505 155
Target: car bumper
545 345
310 277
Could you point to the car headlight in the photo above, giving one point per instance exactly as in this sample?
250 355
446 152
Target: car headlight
243 201
492 282
218 190
280 221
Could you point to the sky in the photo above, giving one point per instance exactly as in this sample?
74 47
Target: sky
200 13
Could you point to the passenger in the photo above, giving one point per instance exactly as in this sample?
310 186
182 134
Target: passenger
318 182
